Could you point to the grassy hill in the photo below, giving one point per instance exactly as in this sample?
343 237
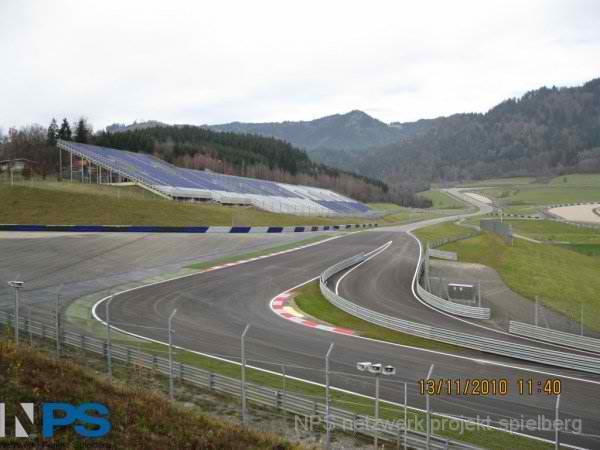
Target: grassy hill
563 279
140 419
528 196
47 203
441 200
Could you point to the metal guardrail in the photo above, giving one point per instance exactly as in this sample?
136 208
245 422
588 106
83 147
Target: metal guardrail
554 336
483 344
292 403
473 312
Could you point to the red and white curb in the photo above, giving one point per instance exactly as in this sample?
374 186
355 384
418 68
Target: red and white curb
281 306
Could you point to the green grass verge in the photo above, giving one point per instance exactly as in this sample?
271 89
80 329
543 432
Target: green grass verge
279 248
543 194
383 206
500 182
577 180
441 231
563 279
548 230
310 300
441 200
585 249
83 205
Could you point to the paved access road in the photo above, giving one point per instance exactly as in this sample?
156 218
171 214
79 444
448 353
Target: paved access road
214 307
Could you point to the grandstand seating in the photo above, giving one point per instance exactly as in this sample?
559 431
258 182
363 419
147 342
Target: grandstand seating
179 183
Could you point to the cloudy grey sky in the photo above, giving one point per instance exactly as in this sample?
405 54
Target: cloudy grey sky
212 62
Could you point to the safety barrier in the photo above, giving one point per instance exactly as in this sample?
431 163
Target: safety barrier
472 312
554 336
273 398
574 361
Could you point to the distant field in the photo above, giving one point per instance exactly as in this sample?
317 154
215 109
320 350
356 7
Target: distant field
81 204
547 194
527 196
547 230
441 200
577 180
443 230
383 206
500 182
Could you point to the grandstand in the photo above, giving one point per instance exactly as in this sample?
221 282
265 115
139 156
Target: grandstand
102 165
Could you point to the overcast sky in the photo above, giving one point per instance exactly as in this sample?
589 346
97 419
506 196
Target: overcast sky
220 61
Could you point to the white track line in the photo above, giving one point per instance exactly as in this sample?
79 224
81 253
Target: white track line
478 325
345 391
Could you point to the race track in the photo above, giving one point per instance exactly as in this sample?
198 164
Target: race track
214 307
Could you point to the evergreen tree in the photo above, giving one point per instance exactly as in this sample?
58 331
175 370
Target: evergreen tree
82 132
52 135
65 131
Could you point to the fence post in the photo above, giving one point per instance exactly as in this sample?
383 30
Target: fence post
283 394
535 312
171 387
243 339
556 424
28 327
57 325
376 438
327 399
16 315
405 414
108 340
428 418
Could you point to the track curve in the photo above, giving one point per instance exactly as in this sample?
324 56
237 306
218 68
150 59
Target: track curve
214 307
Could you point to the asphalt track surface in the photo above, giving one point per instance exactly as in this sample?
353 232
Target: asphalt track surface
81 264
214 307
383 285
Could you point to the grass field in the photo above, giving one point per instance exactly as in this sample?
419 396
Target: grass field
563 279
443 230
548 230
383 206
585 249
500 182
441 200
80 204
547 194
140 418
590 180
527 196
